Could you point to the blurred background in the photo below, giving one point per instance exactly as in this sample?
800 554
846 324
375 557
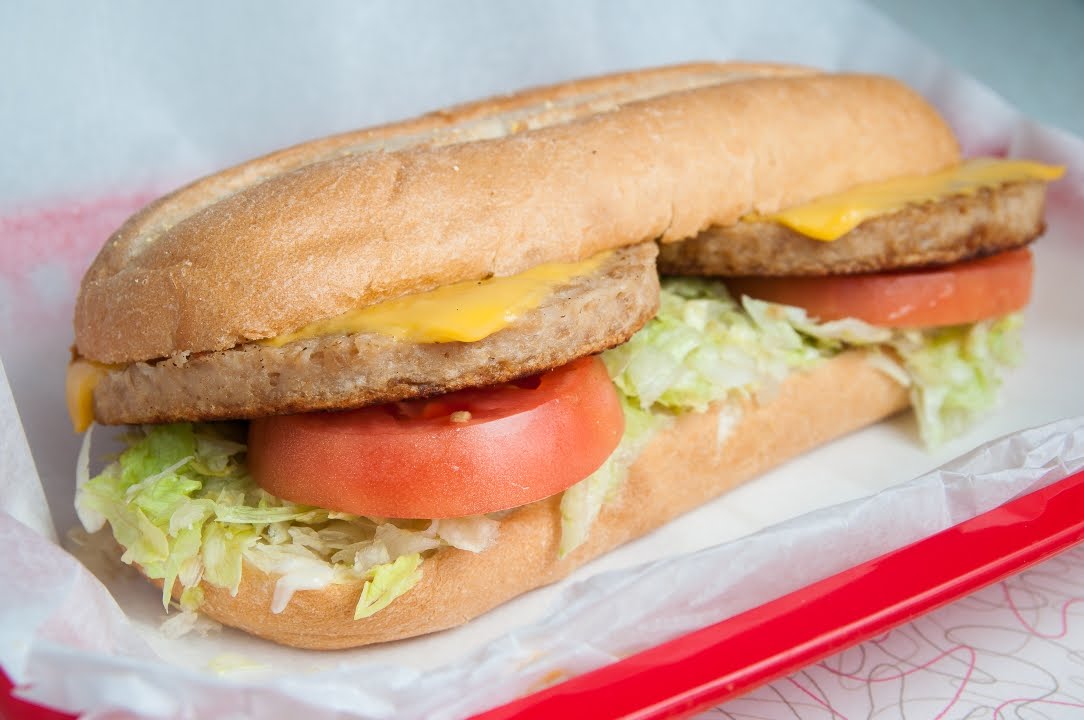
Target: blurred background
1032 53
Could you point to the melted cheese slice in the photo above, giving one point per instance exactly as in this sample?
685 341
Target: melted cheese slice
462 312
82 377
830 217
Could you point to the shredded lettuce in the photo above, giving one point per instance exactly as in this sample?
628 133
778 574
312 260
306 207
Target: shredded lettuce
693 352
180 501
185 622
581 503
474 533
387 582
704 347
800 329
956 372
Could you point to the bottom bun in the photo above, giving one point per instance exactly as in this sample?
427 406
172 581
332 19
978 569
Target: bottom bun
685 465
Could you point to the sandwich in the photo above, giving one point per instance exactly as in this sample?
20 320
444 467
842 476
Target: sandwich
377 384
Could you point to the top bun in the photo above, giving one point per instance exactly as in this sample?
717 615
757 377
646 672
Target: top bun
489 188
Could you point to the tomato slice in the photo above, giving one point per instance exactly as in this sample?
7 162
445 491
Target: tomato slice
468 452
960 293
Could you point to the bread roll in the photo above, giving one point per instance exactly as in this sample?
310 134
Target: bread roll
490 188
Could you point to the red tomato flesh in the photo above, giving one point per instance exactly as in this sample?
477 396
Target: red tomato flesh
521 442
964 292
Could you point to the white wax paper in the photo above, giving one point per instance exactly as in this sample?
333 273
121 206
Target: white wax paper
24 498
121 99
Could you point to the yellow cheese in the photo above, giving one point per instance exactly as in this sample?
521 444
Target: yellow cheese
833 216
83 376
462 312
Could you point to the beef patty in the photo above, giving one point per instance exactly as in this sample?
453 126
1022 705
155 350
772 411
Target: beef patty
937 233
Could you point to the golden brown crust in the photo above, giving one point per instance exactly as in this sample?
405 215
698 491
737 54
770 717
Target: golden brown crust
937 233
681 468
325 227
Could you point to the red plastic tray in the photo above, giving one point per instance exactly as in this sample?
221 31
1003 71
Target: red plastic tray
724 660
720 662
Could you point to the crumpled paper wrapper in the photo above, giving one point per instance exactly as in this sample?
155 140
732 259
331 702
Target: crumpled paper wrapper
156 110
